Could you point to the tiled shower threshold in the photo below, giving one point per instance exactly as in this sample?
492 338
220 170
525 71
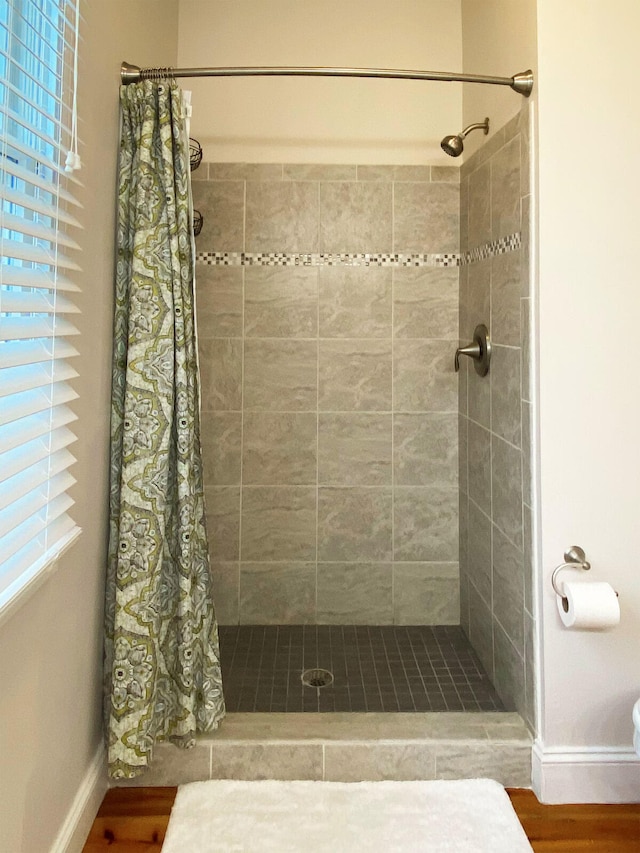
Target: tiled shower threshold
351 747
369 668
320 741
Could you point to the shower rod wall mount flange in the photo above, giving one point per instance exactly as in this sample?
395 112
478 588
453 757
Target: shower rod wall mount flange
521 83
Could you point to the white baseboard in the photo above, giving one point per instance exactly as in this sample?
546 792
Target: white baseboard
585 774
76 826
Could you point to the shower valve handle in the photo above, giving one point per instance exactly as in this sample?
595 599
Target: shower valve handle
479 350
472 350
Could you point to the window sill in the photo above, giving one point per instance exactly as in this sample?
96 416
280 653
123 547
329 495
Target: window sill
16 595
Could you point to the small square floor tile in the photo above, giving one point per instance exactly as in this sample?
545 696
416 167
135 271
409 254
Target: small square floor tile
375 668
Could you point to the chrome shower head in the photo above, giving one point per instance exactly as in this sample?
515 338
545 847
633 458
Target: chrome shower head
454 146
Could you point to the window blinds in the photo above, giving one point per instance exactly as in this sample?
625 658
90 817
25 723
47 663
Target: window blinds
37 270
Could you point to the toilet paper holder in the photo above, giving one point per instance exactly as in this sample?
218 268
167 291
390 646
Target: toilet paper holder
574 558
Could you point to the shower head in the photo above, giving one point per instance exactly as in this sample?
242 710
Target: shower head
454 146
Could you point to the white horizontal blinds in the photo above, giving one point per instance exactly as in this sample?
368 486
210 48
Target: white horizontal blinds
39 259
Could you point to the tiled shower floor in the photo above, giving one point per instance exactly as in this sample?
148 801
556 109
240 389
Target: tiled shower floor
389 668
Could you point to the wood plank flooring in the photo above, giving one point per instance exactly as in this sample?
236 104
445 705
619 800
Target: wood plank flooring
134 820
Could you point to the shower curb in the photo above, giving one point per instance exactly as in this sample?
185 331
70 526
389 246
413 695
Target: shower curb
352 747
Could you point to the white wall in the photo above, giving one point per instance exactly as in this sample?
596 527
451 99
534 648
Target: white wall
589 312
306 120
588 406
51 648
498 39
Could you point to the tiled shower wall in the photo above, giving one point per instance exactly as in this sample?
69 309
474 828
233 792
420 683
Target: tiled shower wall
329 400
495 418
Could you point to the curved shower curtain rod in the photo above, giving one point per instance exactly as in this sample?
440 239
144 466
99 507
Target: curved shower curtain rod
521 83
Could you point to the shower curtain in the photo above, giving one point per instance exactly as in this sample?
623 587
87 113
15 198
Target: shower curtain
162 665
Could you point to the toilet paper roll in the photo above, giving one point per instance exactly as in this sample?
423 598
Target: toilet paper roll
590 605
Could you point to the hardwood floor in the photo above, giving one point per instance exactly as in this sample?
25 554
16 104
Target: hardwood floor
572 828
133 820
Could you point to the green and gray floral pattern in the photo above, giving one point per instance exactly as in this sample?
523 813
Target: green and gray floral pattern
162 665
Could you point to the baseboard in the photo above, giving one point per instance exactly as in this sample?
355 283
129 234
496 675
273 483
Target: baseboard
76 826
585 774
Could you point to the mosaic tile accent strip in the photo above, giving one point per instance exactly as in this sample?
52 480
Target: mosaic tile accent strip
375 259
388 668
489 250
282 259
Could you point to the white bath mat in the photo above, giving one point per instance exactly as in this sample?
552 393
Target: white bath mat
466 816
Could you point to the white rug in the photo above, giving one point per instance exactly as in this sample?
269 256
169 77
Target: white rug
466 816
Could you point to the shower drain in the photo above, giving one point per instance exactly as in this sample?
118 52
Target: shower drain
317 677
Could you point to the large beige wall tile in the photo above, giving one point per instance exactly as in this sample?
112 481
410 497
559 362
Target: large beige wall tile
479 395
281 302
481 629
221 441
278 523
478 303
505 298
509 676
355 593
505 393
355 217
221 374
525 327
506 488
280 375
479 216
354 524
479 556
245 172
282 216
355 302
221 204
423 376
279 448
463 454
505 190
464 212
526 285
426 594
219 301
463 527
354 449
277 593
425 523
426 217
425 302
225 578
479 440
527 704
508 588
449 174
354 375
223 522
394 173
319 172
425 449
527 472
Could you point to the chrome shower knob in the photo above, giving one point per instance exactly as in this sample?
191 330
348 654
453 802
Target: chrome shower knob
479 350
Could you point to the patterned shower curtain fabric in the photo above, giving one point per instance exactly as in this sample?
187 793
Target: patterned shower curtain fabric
162 665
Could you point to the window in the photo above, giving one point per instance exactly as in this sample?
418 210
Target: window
37 268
